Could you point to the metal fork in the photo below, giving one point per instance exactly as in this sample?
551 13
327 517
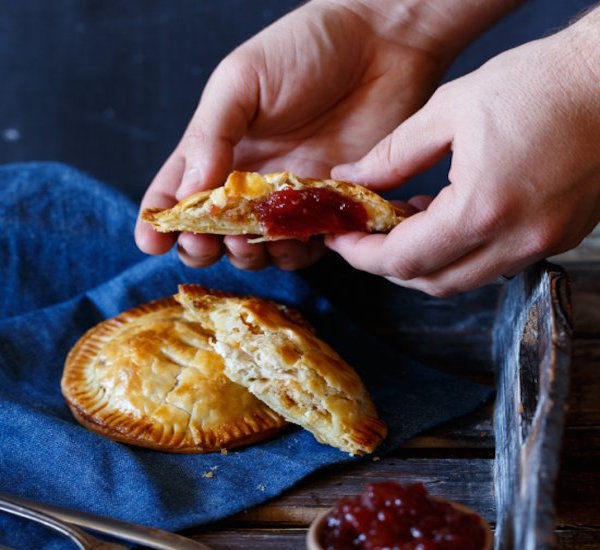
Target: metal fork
63 520
83 540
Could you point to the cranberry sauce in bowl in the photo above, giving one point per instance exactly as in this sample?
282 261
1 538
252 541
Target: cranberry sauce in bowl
404 517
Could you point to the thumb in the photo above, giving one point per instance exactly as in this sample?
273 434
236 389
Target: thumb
418 143
226 109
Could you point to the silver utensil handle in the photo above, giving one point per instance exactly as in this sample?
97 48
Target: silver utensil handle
71 532
132 532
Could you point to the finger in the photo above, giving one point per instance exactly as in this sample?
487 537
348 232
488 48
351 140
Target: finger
245 255
421 244
291 255
362 251
421 202
418 143
228 105
474 270
160 194
199 250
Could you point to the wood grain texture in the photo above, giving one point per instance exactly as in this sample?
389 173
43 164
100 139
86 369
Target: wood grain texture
466 481
586 301
532 345
294 539
247 539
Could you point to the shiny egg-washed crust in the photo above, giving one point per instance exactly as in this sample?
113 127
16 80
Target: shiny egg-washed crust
149 377
274 353
229 210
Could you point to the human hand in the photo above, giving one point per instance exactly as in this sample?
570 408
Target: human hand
524 131
319 87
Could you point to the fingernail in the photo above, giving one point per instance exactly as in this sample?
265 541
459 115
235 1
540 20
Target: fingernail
343 171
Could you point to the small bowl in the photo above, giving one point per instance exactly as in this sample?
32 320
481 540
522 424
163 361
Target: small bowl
317 525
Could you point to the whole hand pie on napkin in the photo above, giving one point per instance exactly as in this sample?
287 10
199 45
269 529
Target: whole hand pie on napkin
206 370
150 377
278 206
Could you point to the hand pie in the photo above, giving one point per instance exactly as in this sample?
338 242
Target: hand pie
276 355
278 206
150 377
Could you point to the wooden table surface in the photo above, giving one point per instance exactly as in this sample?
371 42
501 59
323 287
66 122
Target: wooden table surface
455 461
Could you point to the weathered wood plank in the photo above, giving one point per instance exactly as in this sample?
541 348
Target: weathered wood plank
294 539
587 251
532 345
466 481
578 484
584 394
251 539
578 490
474 431
585 281
581 444
580 539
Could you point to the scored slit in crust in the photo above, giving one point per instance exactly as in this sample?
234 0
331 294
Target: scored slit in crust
150 377
278 206
269 349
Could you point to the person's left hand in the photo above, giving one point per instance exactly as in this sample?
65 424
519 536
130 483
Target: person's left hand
319 87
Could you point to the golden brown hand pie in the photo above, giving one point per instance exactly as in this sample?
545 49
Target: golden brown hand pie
150 377
276 355
278 206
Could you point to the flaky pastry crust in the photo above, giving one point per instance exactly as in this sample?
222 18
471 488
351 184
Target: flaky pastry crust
274 353
150 377
230 209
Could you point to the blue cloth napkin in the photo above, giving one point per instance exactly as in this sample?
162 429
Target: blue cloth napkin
68 261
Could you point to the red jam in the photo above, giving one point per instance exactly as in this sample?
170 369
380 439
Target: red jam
302 213
403 517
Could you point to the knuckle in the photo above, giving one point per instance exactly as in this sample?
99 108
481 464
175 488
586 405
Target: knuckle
442 93
544 238
387 154
235 70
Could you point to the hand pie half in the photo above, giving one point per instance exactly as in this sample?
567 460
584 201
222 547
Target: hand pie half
276 355
278 206
150 377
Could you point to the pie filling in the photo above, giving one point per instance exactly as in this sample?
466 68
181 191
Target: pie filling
301 213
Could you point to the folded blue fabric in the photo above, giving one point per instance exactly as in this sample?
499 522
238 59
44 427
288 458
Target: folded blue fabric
68 261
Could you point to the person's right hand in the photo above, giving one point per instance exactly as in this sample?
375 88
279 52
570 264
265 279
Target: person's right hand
524 182
318 88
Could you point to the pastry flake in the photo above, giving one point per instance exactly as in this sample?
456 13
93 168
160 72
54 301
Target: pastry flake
278 206
272 351
150 377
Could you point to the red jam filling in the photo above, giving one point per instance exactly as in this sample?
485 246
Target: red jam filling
389 515
302 213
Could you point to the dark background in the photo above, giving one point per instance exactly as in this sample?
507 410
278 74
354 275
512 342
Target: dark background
109 86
